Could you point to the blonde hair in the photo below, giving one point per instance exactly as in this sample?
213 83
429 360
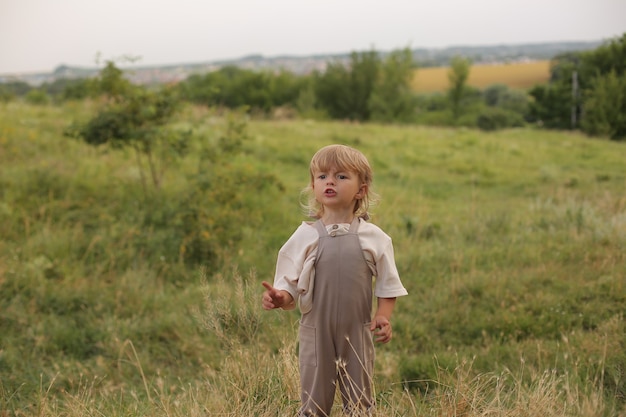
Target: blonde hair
342 158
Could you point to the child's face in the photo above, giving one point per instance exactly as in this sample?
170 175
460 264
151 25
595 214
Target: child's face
336 189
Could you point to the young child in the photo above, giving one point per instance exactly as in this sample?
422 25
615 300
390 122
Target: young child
328 267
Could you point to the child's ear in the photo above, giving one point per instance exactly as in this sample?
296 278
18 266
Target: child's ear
362 192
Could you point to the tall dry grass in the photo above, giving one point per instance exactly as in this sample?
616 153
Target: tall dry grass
254 381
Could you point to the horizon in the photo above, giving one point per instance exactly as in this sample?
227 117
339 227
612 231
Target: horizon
138 64
39 35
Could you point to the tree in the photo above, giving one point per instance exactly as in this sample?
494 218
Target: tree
235 88
332 90
608 57
571 94
500 95
12 89
345 91
551 105
133 116
37 96
112 84
364 72
457 77
71 88
605 107
307 101
392 99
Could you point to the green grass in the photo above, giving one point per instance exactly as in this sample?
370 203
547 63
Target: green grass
512 245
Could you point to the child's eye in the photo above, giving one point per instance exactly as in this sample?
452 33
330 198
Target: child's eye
342 177
322 176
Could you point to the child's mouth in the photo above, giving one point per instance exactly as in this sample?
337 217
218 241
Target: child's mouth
330 192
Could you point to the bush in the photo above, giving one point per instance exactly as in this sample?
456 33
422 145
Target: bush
499 95
10 90
494 118
37 97
435 118
605 107
233 87
431 102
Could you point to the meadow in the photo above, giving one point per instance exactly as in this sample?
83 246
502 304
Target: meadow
515 75
512 245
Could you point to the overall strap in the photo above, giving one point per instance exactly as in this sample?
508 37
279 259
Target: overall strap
321 229
354 226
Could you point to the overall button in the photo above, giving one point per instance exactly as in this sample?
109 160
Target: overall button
333 234
335 226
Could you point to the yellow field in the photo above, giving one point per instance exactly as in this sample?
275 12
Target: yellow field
519 75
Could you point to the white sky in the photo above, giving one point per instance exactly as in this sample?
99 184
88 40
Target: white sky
39 35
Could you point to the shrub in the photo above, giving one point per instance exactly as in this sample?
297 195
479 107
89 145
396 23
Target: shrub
499 95
37 97
605 107
435 118
494 118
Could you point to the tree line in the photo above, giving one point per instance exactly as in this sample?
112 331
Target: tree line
586 91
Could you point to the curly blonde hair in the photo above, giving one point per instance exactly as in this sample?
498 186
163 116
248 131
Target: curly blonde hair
342 158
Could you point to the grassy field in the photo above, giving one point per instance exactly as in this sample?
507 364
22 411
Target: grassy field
511 244
518 75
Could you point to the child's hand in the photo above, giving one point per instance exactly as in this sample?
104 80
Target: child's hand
273 298
381 328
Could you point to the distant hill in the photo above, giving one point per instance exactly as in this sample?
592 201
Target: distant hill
425 57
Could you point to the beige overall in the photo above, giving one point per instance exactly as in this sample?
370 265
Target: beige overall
335 340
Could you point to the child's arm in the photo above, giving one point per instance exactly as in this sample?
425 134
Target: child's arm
381 324
273 298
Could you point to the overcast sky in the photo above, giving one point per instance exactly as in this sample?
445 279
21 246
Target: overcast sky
39 35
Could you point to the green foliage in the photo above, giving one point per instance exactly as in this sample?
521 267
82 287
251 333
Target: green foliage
496 107
218 198
392 100
78 89
306 103
494 118
607 58
431 102
112 84
555 105
345 91
435 118
285 88
605 107
571 95
133 122
604 72
233 87
499 95
12 89
457 77
133 117
551 106
70 89
37 97
503 108
368 88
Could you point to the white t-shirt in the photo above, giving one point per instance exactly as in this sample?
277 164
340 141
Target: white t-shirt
295 270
